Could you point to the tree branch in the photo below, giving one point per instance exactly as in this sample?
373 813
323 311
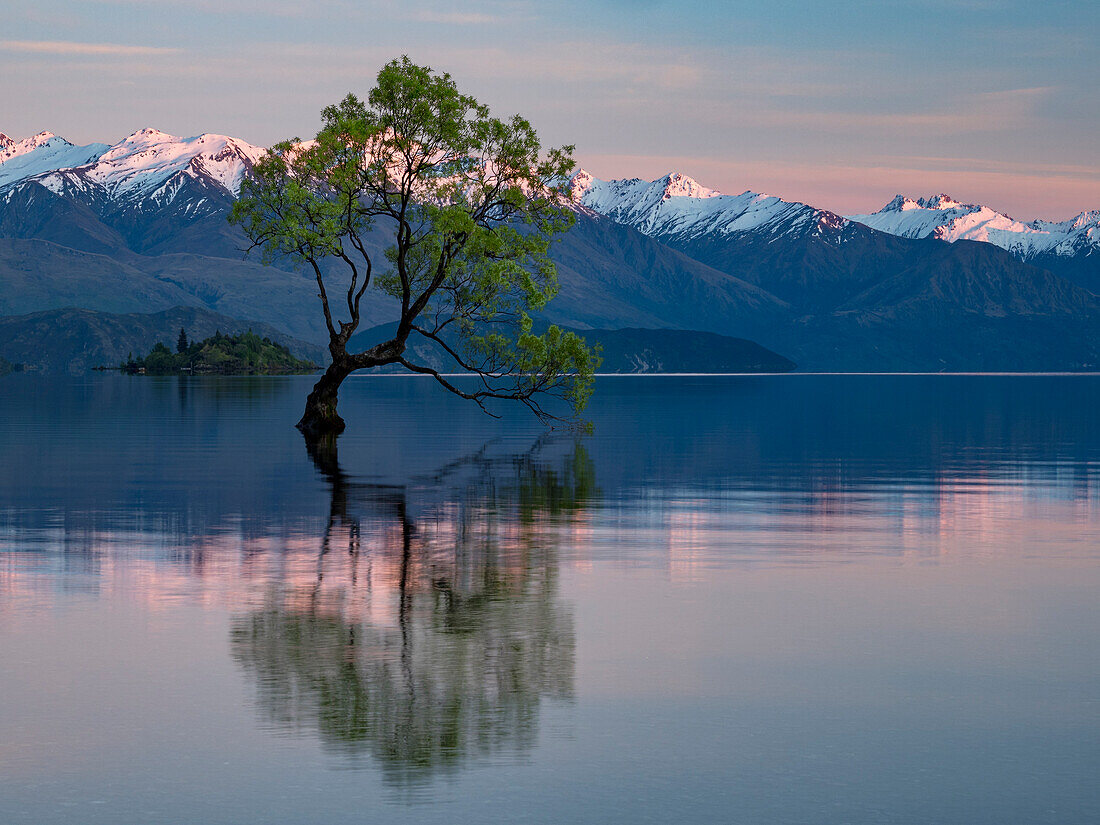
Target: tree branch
323 295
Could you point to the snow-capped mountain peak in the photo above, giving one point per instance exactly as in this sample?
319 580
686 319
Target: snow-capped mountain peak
15 148
580 182
947 219
1086 220
145 160
900 203
942 201
678 205
683 186
148 169
41 154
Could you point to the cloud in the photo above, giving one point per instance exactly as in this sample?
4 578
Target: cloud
589 63
978 164
956 114
251 8
67 47
457 18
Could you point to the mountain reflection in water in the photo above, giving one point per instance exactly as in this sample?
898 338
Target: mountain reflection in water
425 641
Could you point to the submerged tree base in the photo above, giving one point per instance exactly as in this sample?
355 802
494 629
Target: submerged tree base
315 427
320 417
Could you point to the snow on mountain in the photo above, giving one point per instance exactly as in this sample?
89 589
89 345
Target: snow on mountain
150 169
148 164
1084 229
45 152
147 159
677 205
943 217
13 148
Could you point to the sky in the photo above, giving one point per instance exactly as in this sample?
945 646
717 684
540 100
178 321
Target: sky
838 104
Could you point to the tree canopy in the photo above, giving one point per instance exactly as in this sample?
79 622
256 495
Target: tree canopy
470 205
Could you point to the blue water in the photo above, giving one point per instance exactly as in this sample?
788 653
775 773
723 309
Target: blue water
765 599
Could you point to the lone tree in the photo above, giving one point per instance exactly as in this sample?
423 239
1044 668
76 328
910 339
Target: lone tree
181 342
468 205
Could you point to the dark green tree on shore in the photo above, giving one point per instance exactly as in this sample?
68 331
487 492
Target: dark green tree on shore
244 354
472 203
181 342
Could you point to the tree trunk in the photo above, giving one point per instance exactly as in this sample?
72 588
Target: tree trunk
320 417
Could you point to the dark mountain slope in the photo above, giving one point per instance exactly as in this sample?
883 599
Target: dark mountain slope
75 340
610 276
679 350
614 276
976 278
1083 268
964 306
840 268
37 275
626 351
811 267
31 210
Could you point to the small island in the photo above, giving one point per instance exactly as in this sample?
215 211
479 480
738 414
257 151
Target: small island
244 354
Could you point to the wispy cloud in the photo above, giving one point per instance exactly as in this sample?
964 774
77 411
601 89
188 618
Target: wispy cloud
979 164
457 18
68 47
998 111
251 8
589 63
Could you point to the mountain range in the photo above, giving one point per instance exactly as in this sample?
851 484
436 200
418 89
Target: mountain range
930 284
1070 248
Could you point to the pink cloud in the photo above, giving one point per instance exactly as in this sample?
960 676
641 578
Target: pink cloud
66 47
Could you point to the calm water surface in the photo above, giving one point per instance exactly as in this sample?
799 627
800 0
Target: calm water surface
770 599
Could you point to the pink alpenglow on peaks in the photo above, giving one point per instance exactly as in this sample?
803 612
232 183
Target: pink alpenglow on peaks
682 186
13 148
146 159
941 201
147 165
943 217
679 205
43 153
900 203
580 183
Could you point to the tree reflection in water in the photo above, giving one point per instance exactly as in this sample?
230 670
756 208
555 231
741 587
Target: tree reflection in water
443 631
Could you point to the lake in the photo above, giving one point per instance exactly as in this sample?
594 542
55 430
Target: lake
743 599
